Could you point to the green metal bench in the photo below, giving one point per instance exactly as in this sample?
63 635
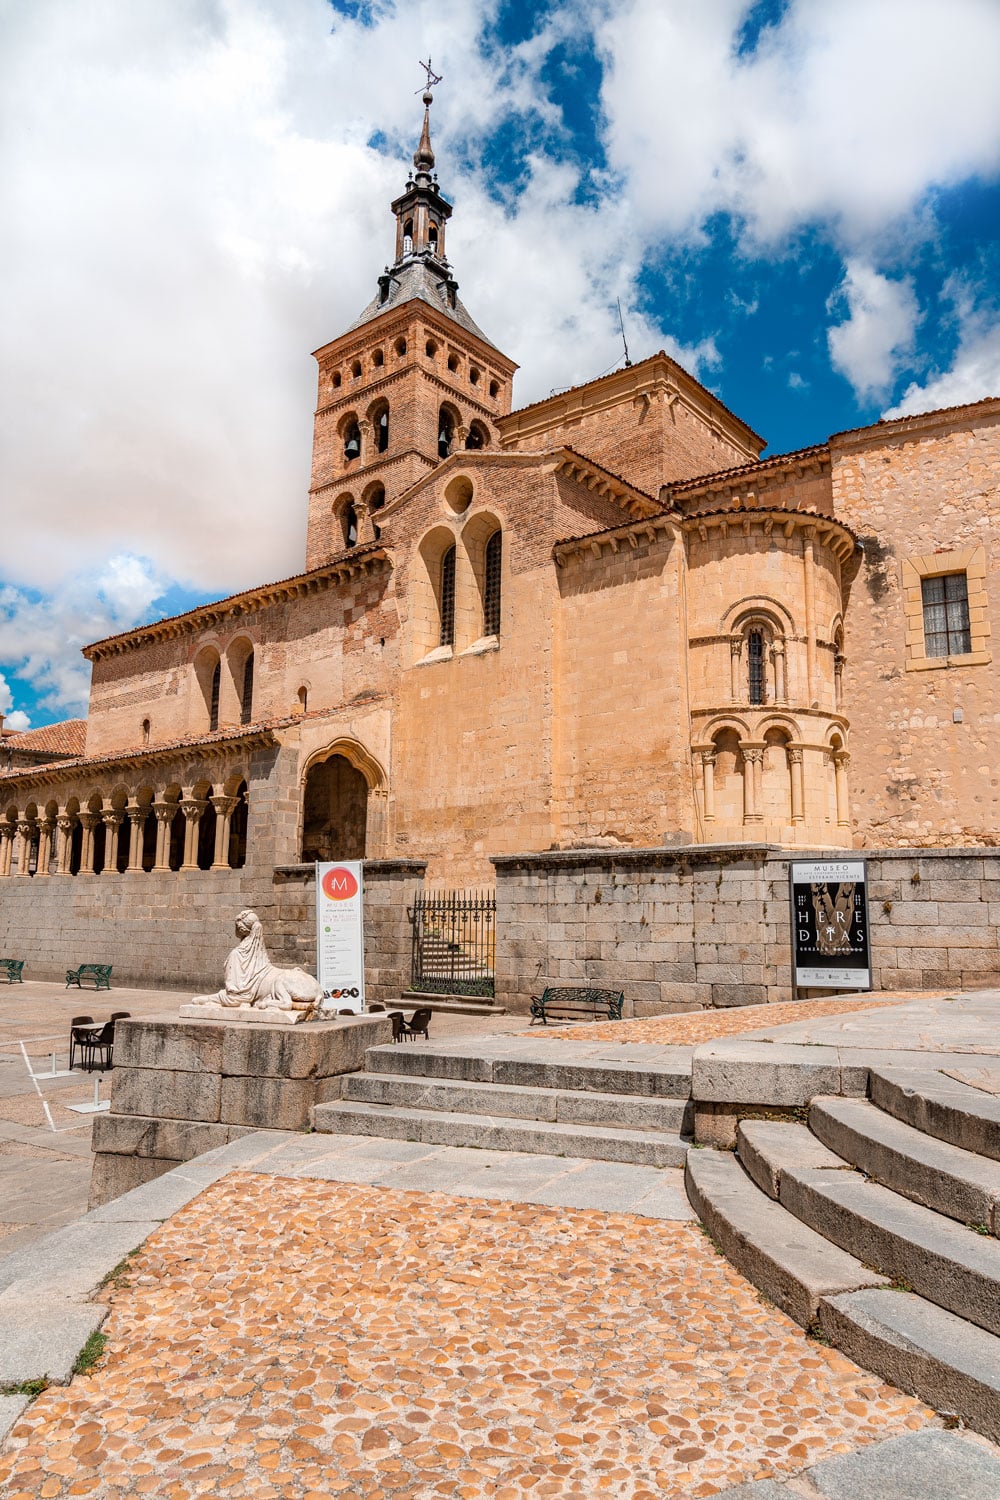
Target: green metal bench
14 969
99 975
567 1003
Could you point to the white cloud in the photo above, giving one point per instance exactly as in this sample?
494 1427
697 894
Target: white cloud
14 718
42 636
868 347
975 367
844 116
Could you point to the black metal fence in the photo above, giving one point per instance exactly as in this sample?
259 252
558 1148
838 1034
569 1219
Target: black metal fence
454 942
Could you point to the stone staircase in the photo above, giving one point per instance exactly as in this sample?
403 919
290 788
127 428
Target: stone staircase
876 1226
510 1099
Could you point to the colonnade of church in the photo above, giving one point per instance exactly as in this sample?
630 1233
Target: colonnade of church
772 775
179 829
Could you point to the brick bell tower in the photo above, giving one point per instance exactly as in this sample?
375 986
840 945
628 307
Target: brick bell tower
411 381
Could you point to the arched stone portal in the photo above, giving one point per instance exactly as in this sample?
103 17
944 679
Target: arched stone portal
334 811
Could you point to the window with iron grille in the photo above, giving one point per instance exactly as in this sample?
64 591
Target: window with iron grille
246 697
491 584
755 664
213 710
946 615
448 597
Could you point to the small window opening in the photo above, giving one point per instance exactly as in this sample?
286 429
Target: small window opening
494 389
335 380
350 524
448 597
303 698
408 237
453 362
352 441
476 437
474 376
446 433
356 370
145 731
213 710
376 499
246 696
400 347
432 238
430 348
946 615
382 430
491 584
378 359
755 662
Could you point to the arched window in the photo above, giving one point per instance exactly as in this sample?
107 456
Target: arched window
407 236
303 699
382 430
352 441
478 436
473 375
491 584
400 347
755 665
494 389
430 348
246 696
446 432
378 359
432 238
349 521
356 370
213 707
448 596
453 362
145 731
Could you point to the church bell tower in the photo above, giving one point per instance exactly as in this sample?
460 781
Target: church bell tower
411 381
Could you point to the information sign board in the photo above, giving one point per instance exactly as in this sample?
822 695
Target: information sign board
830 947
340 934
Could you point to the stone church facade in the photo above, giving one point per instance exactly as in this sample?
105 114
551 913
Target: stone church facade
600 622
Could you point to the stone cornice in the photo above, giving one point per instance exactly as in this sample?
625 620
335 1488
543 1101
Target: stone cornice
243 737
402 317
840 537
916 426
346 565
623 857
349 481
748 480
613 540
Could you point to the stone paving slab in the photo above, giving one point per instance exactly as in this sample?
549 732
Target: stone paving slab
11 1408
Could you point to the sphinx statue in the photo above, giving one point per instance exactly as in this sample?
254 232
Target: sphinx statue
251 980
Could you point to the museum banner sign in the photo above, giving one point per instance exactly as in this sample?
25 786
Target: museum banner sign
340 934
830 948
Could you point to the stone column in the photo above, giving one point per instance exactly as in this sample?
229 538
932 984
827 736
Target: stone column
164 813
375 823
367 434
708 785
137 819
796 774
841 760
192 808
7 831
780 679
47 829
25 828
112 820
809 565
65 822
89 821
735 657
838 679
753 762
224 807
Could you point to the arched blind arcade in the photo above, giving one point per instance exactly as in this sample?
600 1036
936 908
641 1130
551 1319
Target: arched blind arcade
491 584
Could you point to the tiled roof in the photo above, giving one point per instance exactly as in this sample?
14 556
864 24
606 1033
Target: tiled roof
726 476
421 280
914 416
67 738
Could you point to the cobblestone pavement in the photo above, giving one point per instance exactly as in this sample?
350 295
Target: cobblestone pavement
309 1339
706 1025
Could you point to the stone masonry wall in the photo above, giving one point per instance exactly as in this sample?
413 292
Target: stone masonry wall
176 930
696 927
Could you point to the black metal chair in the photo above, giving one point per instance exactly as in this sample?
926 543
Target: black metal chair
81 1039
419 1023
398 1025
373 1008
103 1042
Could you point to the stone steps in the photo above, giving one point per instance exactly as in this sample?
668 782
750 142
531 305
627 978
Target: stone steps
562 1106
947 1263
952 1181
939 1106
500 1133
664 1079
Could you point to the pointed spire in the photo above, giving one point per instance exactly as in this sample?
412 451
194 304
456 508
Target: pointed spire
423 157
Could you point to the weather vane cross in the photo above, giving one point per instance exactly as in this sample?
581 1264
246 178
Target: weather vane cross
433 79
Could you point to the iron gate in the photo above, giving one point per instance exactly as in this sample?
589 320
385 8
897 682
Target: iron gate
454 942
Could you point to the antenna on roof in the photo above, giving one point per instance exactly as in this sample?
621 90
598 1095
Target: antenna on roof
621 324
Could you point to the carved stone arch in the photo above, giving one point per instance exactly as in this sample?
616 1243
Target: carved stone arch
725 721
784 723
483 538
758 606
206 666
433 592
343 803
239 693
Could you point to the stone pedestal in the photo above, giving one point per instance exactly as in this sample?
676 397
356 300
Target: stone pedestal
183 1087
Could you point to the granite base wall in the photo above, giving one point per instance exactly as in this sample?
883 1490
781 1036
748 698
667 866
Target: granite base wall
179 1088
698 926
175 930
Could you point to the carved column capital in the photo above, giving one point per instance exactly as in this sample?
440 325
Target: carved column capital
840 757
736 644
25 827
66 822
192 808
708 756
112 817
794 753
165 812
90 820
137 815
753 754
223 805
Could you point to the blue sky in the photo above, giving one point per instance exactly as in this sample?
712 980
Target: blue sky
798 200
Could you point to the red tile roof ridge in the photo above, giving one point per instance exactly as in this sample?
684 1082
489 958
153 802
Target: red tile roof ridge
916 416
68 736
701 481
